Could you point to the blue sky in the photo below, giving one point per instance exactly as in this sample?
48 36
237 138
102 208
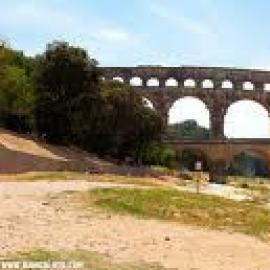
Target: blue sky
164 32
167 32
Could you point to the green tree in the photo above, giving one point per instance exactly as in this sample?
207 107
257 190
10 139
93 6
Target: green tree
66 87
128 124
72 105
16 92
9 56
158 154
187 130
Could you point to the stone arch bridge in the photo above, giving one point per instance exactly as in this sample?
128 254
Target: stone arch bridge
218 88
219 154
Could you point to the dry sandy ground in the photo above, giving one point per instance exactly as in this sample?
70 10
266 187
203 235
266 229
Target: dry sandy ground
21 153
29 220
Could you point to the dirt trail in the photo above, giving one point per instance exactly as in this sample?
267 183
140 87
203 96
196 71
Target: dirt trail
29 220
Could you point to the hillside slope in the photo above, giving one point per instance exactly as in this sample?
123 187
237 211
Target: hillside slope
21 153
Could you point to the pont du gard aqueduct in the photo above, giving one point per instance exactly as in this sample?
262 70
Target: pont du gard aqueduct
218 88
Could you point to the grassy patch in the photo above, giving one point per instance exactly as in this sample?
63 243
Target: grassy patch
256 182
143 181
90 260
65 176
183 207
256 188
42 176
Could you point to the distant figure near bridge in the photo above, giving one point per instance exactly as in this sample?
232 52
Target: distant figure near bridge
218 88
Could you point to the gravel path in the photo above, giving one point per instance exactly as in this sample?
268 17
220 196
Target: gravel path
29 220
225 191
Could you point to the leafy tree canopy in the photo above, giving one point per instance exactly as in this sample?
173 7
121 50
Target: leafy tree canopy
187 130
129 123
16 89
65 78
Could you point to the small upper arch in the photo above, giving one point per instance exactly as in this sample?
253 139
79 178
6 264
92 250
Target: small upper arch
190 83
171 82
207 84
227 84
248 86
267 87
153 82
136 81
118 79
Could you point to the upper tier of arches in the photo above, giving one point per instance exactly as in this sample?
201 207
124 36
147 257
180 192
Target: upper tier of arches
191 83
191 77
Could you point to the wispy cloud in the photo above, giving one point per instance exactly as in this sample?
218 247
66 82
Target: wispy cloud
35 17
166 32
113 34
198 38
175 17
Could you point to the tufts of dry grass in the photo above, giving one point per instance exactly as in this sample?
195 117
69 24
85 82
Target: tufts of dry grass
256 188
66 176
168 204
83 260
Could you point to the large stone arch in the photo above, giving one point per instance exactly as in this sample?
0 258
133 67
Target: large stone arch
215 155
262 100
177 95
230 116
262 152
200 153
215 104
204 107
